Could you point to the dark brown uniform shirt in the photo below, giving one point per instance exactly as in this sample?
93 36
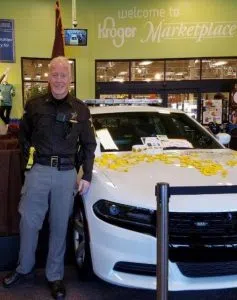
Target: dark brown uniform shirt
59 128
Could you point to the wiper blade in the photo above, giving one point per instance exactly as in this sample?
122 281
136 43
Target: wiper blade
176 148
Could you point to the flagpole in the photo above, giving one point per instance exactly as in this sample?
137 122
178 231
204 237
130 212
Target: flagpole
58 45
74 13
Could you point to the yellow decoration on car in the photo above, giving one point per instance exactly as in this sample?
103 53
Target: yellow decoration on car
232 163
122 162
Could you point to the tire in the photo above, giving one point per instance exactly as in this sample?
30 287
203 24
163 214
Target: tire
81 244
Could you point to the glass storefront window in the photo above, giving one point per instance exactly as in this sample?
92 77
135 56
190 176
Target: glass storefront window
176 70
181 83
33 89
35 77
215 96
158 97
147 70
112 71
134 96
114 96
146 96
221 68
186 69
186 102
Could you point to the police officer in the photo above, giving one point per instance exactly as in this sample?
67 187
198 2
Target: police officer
56 125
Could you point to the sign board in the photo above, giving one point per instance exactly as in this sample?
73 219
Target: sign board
7 40
212 111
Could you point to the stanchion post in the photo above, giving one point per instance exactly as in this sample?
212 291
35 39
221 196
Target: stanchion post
162 236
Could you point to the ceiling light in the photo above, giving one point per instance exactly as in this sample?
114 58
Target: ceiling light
139 70
118 79
46 74
169 73
123 73
157 76
145 63
111 64
219 63
147 79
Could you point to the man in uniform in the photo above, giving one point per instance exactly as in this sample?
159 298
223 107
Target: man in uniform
56 125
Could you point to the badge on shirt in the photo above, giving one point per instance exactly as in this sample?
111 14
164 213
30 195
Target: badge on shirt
73 118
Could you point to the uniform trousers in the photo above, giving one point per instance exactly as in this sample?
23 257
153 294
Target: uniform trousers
45 188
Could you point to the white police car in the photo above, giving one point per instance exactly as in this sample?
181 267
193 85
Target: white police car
115 225
73 39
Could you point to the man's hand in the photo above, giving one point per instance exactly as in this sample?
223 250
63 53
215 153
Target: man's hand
83 186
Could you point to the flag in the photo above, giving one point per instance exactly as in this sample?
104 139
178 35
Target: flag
58 46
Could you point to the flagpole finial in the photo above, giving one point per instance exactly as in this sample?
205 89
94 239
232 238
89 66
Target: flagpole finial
58 46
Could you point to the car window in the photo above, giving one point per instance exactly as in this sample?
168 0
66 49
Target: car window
127 129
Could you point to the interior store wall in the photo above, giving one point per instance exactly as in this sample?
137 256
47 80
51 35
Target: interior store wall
119 30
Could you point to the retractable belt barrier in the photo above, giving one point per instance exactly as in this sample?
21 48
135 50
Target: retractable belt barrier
163 192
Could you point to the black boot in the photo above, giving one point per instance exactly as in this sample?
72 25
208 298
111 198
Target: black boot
57 289
14 278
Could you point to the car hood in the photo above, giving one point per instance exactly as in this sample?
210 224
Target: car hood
137 183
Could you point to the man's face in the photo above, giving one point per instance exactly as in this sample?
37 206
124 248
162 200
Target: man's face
59 80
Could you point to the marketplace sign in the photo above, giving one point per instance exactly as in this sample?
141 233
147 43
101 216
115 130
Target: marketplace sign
7 41
158 31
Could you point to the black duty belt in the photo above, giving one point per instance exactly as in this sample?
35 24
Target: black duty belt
62 163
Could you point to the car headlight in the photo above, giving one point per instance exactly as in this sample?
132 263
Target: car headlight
126 216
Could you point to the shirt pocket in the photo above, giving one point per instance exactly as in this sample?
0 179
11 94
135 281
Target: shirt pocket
43 124
76 129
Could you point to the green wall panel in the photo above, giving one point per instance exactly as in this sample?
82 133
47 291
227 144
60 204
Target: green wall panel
122 29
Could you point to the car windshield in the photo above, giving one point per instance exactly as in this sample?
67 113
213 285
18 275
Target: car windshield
128 129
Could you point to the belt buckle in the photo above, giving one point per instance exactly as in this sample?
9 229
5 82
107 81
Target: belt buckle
54 160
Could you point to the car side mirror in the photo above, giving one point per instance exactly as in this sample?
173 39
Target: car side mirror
223 138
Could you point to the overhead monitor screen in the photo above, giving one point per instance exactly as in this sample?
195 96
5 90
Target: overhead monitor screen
75 37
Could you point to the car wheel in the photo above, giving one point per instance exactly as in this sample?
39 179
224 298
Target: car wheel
81 245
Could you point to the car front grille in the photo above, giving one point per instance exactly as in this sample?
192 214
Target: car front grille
203 229
208 269
203 244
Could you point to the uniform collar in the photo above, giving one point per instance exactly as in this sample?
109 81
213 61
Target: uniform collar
50 99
